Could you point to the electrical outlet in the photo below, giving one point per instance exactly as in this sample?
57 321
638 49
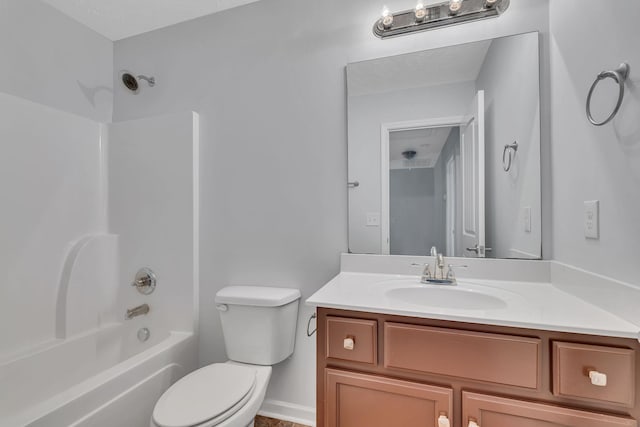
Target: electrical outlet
526 218
591 219
373 219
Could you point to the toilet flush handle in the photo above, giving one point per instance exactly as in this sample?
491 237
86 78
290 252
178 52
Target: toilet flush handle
222 307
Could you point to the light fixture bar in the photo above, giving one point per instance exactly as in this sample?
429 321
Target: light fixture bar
438 15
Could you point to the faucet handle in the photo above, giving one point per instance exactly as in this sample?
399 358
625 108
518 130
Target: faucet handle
450 273
426 273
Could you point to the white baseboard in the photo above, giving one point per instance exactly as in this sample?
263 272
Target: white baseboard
286 411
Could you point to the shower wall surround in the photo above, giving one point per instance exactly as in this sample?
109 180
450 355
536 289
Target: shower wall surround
272 107
49 160
56 88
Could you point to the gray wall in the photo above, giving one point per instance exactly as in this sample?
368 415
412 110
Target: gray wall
510 78
272 102
53 60
589 162
414 212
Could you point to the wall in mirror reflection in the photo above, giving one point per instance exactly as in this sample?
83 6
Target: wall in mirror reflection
421 182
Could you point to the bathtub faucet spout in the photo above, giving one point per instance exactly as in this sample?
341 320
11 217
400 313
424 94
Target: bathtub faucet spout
137 311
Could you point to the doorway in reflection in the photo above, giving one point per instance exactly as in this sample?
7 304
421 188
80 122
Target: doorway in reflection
422 190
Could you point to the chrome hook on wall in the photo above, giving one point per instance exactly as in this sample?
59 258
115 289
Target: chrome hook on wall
619 75
508 154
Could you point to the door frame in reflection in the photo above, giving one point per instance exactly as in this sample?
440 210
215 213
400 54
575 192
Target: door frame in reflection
385 130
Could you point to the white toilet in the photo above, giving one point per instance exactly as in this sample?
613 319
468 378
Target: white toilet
259 325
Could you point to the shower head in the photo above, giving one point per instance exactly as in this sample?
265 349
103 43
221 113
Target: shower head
132 83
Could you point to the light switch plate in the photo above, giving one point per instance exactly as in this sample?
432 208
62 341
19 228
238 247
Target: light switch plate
373 219
592 219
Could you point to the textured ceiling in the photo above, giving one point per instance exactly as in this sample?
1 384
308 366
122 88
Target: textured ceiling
119 19
426 142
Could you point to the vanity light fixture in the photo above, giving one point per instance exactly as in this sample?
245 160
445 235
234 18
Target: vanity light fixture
450 12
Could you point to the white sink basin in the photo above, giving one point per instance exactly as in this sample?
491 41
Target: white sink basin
449 297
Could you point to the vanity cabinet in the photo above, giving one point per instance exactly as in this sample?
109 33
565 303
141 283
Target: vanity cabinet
378 370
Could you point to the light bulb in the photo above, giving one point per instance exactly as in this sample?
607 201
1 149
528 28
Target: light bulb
420 12
387 18
455 6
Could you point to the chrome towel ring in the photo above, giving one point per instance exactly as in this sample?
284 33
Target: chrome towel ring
620 75
509 153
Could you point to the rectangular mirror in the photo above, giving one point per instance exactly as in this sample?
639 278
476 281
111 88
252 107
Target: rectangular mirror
444 151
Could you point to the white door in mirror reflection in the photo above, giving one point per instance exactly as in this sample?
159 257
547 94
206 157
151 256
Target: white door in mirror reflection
450 214
472 164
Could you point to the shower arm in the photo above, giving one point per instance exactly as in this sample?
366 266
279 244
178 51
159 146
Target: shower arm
150 80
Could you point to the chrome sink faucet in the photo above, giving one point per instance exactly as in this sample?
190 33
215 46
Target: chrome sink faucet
437 277
438 265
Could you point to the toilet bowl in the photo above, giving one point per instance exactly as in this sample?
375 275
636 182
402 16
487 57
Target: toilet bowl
258 325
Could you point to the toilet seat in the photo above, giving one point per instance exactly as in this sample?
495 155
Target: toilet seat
207 396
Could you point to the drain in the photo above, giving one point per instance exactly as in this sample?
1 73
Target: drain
144 334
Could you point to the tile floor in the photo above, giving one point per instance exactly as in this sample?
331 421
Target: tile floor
272 422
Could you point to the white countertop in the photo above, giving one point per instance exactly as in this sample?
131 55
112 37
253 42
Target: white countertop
531 305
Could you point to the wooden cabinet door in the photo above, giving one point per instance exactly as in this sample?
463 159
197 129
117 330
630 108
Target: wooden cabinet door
492 411
361 400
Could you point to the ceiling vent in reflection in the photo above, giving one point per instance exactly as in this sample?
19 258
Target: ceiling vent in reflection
409 154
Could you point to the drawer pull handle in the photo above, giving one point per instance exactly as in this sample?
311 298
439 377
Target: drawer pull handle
443 421
598 378
349 343
473 424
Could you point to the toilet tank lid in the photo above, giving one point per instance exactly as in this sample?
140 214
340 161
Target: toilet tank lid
261 296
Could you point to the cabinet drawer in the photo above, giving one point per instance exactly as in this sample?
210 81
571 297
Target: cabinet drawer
361 400
491 411
573 362
500 359
363 334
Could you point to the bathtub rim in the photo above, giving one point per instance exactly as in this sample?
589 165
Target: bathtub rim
68 396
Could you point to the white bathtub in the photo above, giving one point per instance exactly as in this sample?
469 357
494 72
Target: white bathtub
106 378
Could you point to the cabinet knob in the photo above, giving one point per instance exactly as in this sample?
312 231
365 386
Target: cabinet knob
443 421
598 378
473 424
349 343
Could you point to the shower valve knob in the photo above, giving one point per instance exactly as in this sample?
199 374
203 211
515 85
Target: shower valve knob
145 281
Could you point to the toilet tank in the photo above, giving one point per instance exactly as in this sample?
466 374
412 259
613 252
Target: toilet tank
258 323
